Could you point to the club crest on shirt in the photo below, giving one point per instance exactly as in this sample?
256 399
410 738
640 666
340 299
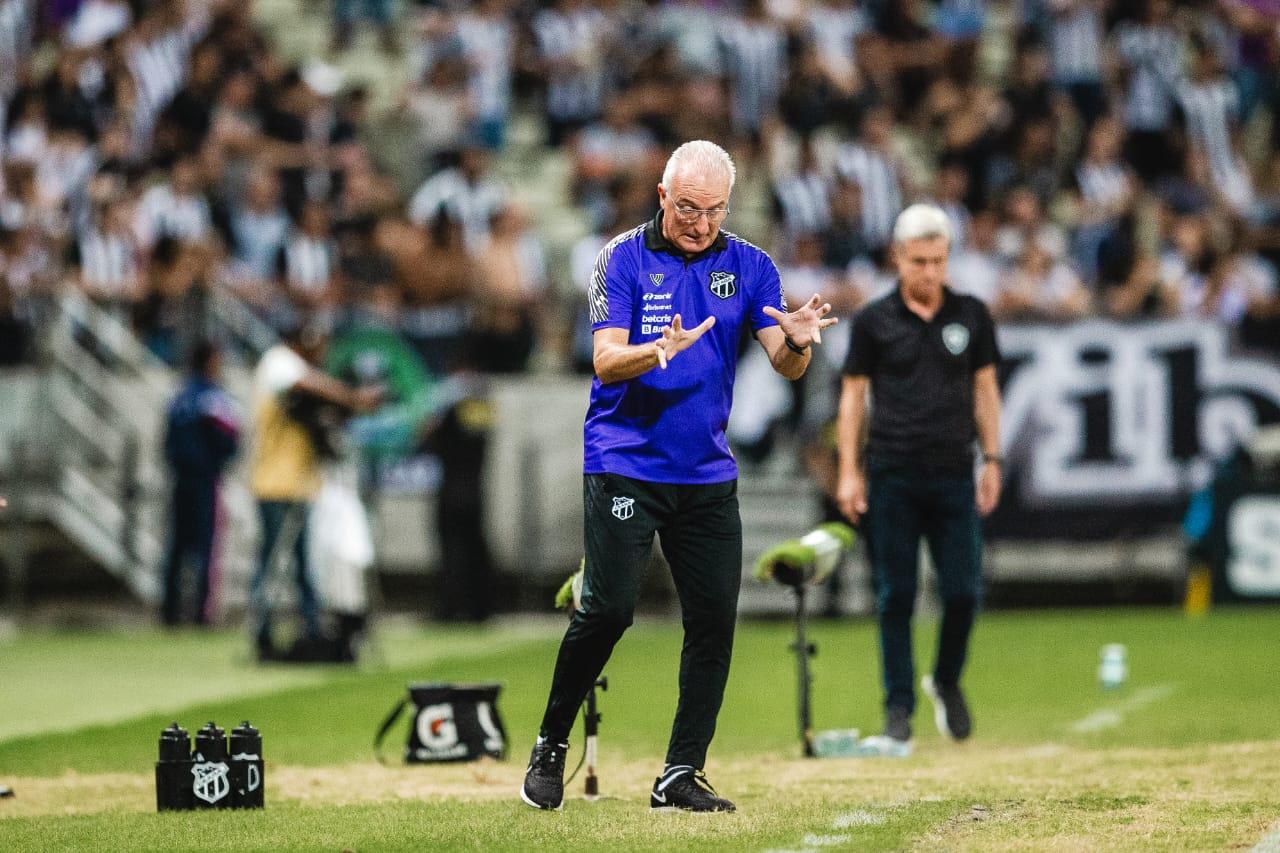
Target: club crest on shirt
955 338
723 284
655 278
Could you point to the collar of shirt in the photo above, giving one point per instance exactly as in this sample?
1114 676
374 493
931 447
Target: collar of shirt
946 309
656 241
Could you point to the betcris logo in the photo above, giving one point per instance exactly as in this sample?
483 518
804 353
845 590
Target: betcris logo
657 311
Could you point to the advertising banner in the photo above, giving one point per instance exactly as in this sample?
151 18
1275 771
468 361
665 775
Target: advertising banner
1109 427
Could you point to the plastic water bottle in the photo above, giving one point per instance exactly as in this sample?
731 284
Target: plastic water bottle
245 767
211 782
1113 669
884 747
836 743
173 771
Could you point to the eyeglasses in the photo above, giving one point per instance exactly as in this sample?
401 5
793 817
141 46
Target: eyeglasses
690 215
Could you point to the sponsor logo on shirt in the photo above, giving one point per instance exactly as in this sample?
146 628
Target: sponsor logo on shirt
657 311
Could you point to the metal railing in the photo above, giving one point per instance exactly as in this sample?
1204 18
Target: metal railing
88 460
102 403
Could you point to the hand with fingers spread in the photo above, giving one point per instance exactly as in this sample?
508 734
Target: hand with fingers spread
676 338
805 324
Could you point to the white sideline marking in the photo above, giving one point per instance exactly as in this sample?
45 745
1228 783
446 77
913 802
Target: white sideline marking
1107 718
858 818
812 840
1270 842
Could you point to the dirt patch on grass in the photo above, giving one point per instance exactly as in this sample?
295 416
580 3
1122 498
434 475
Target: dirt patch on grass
1006 798
73 793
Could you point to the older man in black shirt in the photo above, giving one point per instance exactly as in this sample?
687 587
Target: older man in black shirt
928 356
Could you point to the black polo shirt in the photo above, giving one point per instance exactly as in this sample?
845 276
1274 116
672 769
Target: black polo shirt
922 377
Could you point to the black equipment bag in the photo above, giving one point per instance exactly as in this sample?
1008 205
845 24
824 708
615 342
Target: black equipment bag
451 722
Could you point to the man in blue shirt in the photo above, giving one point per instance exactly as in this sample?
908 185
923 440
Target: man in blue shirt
202 431
672 294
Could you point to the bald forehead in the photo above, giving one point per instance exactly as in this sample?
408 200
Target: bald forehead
699 187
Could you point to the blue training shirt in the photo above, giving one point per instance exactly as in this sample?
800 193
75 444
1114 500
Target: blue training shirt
667 426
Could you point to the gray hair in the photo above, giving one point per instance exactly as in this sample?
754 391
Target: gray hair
922 222
702 157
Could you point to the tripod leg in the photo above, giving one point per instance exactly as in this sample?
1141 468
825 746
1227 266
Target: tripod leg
591 728
803 651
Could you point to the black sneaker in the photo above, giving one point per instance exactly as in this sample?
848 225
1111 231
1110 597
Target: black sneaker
897 724
950 711
688 790
543 786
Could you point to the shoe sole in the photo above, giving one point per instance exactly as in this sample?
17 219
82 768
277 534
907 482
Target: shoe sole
531 804
668 807
939 710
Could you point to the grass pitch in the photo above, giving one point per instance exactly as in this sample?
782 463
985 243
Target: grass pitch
1185 756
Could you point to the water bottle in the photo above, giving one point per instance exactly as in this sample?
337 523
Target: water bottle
173 771
836 743
1113 669
884 746
247 777
211 782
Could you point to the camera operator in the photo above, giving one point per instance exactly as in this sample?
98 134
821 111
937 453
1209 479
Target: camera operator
296 406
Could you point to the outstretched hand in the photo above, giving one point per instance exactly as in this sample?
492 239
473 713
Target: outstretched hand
805 324
676 338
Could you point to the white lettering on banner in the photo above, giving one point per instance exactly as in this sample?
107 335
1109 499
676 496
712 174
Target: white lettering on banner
493 741
456 751
1106 412
1253 553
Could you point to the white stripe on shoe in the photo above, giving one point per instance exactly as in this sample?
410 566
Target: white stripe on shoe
939 710
671 774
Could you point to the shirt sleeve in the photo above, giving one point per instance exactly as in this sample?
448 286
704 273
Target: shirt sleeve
985 351
219 410
766 292
861 360
609 291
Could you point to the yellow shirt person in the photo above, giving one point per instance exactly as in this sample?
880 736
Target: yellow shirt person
283 465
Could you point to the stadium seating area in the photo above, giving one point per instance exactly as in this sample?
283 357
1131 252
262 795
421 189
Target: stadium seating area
1116 158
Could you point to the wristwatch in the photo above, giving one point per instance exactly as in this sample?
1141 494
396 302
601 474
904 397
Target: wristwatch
794 347
993 458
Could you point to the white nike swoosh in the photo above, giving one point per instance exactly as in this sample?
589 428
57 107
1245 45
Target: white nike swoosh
662 798
662 786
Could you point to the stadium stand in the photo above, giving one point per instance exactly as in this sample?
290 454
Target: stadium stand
171 169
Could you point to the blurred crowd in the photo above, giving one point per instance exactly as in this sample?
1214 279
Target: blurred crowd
1097 157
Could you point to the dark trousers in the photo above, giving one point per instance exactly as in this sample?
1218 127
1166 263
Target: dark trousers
905 502
193 515
466 572
286 519
701 536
